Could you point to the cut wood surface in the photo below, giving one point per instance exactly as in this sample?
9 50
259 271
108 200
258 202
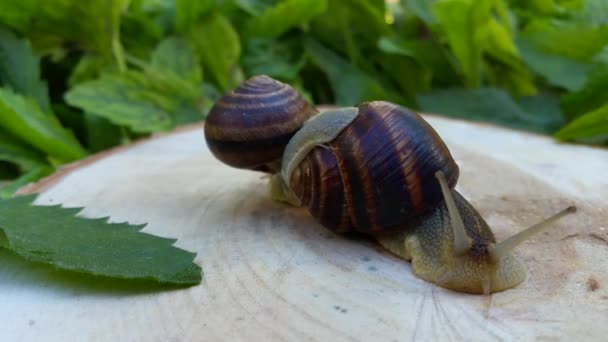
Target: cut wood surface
272 273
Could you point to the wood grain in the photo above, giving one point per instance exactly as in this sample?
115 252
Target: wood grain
272 273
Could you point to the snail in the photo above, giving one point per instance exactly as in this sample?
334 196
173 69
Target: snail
382 170
259 117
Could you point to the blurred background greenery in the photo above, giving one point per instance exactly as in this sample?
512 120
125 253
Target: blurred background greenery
77 77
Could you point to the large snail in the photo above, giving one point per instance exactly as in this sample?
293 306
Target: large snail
378 169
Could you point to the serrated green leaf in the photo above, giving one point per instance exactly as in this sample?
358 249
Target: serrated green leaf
218 44
350 85
22 117
593 124
492 105
145 102
177 55
285 15
15 151
20 69
93 246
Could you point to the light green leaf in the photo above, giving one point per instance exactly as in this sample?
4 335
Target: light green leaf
457 24
285 15
350 85
92 246
15 151
593 124
422 9
22 117
177 55
574 40
216 41
20 69
491 105
94 24
146 102
557 69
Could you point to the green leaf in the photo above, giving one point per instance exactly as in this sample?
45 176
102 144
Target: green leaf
101 134
280 59
557 69
285 15
32 175
23 118
94 24
145 102
177 55
593 124
456 21
593 95
19 68
574 40
423 9
350 85
492 105
427 53
93 246
15 151
187 13
216 41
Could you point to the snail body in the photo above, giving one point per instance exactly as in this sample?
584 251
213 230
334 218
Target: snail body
381 169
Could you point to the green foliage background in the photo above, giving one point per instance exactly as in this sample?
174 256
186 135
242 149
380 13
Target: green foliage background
77 77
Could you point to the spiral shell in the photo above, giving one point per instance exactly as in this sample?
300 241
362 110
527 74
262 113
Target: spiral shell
377 175
250 126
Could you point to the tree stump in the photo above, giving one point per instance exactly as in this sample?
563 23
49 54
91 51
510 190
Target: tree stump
272 273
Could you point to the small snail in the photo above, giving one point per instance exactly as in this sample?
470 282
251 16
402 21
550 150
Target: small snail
258 117
380 169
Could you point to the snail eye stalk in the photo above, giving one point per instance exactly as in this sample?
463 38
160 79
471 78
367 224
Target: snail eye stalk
462 243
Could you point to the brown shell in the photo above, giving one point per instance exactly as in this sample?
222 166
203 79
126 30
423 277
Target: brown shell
378 174
250 126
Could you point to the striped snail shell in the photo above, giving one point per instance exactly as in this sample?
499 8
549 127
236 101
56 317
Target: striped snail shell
250 126
376 174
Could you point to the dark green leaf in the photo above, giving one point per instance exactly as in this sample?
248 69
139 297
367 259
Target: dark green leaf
590 125
423 9
177 55
285 15
281 59
32 175
593 95
15 151
350 85
22 117
93 246
20 68
218 44
491 105
101 134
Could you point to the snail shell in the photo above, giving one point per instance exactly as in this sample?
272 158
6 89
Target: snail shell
250 126
375 175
